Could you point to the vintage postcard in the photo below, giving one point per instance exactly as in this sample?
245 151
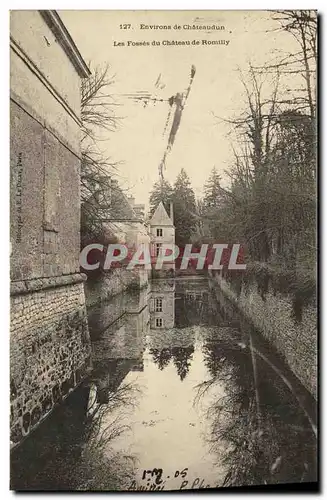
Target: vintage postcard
163 215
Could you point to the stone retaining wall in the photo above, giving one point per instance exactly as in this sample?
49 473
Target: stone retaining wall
50 348
273 317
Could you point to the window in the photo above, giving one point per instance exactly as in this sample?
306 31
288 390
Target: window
158 306
158 247
159 322
159 232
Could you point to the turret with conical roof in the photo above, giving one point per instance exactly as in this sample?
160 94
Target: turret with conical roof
160 217
162 229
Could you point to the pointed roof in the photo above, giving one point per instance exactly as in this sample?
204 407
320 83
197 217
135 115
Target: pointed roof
160 217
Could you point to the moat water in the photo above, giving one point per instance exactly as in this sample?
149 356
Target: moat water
183 394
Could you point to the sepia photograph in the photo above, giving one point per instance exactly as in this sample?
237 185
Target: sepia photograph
163 250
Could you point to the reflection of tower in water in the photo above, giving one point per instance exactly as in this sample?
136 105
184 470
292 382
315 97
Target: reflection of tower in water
162 304
166 342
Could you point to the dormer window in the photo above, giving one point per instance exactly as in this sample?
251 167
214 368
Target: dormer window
159 232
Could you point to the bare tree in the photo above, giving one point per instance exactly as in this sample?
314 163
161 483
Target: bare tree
301 65
98 116
97 103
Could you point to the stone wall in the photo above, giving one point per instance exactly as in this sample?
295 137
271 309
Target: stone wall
45 201
50 345
273 316
49 351
51 95
45 146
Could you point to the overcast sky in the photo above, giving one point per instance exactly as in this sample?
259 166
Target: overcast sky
201 142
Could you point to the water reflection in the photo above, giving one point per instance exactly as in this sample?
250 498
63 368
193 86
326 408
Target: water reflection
266 435
171 338
73 449
175 347
181 356
183 394
267 438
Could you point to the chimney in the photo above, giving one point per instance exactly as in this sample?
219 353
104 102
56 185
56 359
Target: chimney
171 210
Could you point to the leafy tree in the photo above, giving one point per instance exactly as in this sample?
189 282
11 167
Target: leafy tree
212 190
185 217
161 191
212 203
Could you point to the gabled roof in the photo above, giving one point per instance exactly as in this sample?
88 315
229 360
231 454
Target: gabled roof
160 217
120 207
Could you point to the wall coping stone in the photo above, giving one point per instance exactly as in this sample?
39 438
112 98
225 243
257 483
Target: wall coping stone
37 284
